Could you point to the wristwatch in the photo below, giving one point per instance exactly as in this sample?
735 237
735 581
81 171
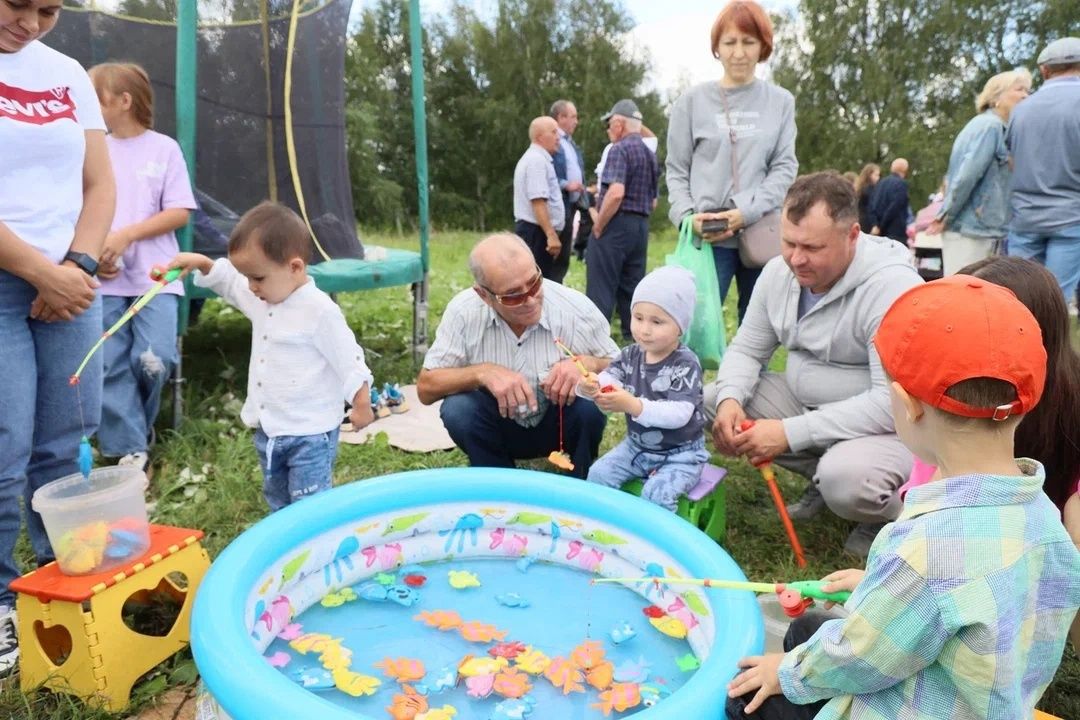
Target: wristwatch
84 262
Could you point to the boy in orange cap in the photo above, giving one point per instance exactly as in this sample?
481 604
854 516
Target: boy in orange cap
966 600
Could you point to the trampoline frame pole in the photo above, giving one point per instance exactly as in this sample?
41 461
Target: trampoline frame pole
187 27
420 290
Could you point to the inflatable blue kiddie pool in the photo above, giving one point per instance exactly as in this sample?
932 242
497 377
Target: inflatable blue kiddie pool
467 594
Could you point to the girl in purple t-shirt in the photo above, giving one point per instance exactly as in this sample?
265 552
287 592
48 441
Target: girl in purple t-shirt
153 199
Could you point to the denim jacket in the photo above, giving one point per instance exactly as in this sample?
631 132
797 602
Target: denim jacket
977 184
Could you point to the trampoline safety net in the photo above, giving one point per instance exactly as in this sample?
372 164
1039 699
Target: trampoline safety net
247 100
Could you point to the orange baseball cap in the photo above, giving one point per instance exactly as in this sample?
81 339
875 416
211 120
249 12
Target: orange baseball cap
958 328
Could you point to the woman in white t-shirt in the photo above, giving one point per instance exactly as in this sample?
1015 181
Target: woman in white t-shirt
56 205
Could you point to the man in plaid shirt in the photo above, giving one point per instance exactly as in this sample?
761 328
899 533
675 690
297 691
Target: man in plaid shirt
615 258
967 598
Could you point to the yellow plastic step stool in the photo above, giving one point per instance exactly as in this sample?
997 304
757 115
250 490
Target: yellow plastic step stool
72 636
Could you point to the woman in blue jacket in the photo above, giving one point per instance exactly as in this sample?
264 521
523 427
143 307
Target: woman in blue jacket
975 210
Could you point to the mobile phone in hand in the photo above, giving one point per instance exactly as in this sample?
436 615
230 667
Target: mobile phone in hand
714 227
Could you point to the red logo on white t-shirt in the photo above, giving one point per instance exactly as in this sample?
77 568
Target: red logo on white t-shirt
36 107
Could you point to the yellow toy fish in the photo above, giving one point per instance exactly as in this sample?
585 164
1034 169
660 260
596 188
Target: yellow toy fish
461 579
532 661
475 666
332 600
672 627
335 657
354 684
311 642
446 712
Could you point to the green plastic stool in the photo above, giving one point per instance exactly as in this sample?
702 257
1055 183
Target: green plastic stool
705 506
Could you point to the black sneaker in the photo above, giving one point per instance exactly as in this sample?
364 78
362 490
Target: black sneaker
9 642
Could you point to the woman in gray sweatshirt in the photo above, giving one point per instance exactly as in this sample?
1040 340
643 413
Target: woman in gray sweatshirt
759 118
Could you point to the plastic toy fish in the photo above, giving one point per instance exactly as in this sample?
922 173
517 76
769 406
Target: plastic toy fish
313 678
471 666
414 580
445 679
402 595
440 619
86 457
335 657
355 684
688 662
311 642
279 659
653 612
512 600
632 672
622 632
446 712
621 697
511 683
564 675
407 705
461 579
332 600
560 460
672 627
385 579
587 654
402 669
532 661
371 591
514 709
508 650
524 563
600 675
475 631
479 686
652 693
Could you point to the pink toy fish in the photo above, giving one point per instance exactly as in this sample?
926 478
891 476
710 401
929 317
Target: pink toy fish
679 610
479 686
621 696
278 659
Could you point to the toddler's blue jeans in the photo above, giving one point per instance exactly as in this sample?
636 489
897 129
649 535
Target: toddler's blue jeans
668 475
295 466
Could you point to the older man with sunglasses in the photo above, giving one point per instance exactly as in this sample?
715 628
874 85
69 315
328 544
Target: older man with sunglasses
507 389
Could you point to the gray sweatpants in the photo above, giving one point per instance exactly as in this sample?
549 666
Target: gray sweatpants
858 478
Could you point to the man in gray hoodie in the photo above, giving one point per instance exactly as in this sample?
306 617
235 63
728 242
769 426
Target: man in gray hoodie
827 417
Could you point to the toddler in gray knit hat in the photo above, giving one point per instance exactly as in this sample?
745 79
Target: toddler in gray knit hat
657 383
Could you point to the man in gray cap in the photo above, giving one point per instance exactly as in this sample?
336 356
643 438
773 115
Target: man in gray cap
1044 140
615 258
656 381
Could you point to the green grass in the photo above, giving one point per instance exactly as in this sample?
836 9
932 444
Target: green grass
206 474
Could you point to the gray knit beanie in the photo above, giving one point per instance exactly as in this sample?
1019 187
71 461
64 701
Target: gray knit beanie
672 289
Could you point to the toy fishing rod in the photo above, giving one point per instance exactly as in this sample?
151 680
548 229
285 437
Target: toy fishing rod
795 596
570 354
162 278
770 479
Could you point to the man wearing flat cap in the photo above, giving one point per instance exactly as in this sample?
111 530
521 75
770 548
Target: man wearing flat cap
615 257
1044 140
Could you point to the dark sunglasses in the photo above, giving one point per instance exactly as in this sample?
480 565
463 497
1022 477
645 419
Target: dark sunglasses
518 298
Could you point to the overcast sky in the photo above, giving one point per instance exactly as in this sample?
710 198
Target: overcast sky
676 37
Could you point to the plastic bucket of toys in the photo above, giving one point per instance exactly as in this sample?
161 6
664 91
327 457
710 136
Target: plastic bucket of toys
96 523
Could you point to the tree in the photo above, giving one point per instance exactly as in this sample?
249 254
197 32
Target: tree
877 80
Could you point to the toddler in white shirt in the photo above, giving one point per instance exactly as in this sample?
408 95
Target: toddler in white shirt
305 360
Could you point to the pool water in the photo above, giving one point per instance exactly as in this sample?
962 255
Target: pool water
564 610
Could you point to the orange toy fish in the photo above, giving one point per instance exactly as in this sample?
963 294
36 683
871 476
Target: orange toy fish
512 683
600 675
402 669
621 696
441 619
560 460
564 675
587 654
408 705
476 631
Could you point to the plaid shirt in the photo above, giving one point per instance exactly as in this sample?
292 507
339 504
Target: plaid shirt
963 612
632 164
